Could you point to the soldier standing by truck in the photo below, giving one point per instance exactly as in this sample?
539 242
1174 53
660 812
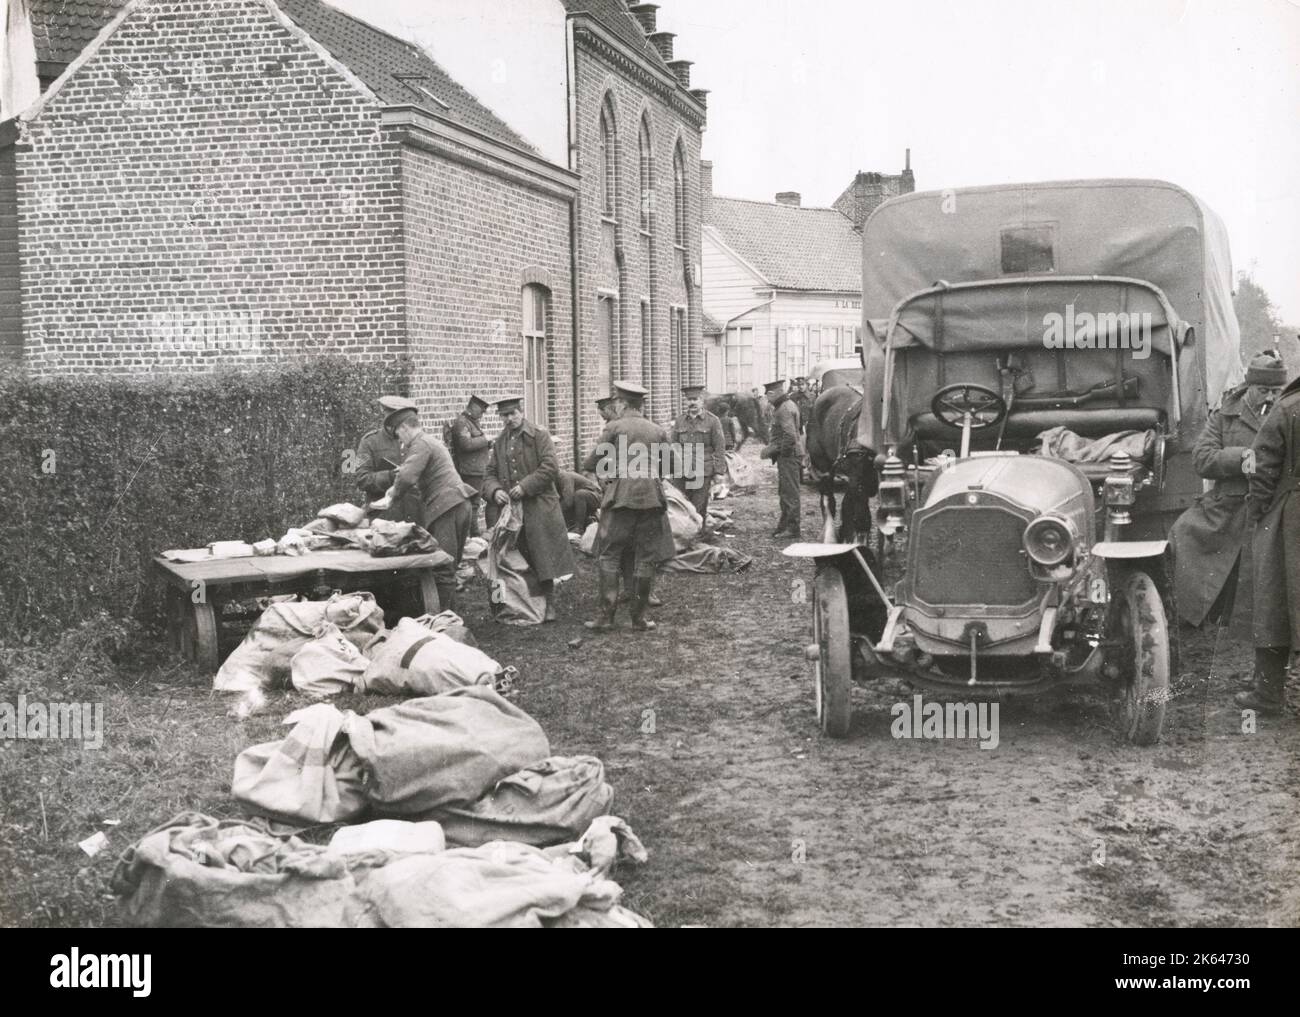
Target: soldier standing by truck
1273 505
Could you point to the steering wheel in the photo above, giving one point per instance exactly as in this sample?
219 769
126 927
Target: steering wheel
952 403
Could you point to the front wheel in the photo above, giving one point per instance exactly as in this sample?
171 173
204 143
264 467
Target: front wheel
1142 633
834 665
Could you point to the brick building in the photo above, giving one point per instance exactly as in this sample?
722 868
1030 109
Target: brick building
869 191
238 181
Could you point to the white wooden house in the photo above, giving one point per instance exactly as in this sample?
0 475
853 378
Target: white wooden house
783 283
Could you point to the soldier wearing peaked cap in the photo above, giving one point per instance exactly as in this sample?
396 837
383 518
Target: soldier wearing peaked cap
1273 505
428 474
786 450
607 408
634 510
471 449
1211 539
379 454
701 432
522 472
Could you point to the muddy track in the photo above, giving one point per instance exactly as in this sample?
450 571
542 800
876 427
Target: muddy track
753 818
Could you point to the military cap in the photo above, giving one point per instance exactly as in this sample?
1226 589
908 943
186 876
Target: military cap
779 383
480 400
509 403
394 403
630 388
692 389
603 401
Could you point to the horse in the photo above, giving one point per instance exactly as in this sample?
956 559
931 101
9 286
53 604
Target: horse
745 411
833 451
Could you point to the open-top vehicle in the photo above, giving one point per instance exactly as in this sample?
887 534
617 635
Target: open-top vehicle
1044 357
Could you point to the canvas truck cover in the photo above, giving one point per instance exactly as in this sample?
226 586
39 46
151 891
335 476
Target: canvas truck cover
1153 233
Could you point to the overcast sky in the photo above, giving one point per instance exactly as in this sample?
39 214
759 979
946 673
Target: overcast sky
1204 93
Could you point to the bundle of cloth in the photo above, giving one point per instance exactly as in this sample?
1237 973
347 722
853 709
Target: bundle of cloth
340 645
195 871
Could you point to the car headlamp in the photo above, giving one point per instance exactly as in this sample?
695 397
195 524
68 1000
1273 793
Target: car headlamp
1049 540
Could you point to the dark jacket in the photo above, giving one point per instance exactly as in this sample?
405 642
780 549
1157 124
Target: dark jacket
429 471
379 454
1273 504
527 458
705 433
623 460
471 448
785 443
1209 536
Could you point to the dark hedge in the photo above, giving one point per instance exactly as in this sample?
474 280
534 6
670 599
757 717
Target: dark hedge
98 474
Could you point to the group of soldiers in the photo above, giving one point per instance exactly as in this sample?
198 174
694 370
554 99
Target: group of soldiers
440 485
1237 550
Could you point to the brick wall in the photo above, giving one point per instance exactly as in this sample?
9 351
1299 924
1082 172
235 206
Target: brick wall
650 267
464 299
11 333
207 188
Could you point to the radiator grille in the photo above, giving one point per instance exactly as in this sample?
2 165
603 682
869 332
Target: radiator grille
971 556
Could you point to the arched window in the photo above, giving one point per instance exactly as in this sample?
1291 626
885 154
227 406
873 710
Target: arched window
647 175
534 325
608 163
679 197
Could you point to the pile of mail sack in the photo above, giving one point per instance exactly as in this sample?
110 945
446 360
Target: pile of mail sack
466 816
341 645
198 872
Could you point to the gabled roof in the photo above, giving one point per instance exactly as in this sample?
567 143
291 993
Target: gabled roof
793 248
61 29
398 72
614 17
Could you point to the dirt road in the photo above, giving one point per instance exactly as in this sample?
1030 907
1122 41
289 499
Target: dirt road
707 731
753 818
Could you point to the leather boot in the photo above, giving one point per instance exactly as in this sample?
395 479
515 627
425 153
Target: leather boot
1268 696
644 591
607 599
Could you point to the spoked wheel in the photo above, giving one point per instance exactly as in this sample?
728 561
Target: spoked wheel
1142 632
833 672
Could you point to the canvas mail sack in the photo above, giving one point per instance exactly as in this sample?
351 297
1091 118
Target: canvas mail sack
420 659
549 802
312 775
266 654
434 751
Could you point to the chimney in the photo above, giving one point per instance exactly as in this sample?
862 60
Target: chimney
682 70
907 182
701 95
663 42
791 198
706 178
645 16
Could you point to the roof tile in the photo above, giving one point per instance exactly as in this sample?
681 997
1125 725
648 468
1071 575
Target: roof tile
390 67
794 248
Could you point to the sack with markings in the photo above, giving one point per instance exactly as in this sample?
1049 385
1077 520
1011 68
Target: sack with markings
417 659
